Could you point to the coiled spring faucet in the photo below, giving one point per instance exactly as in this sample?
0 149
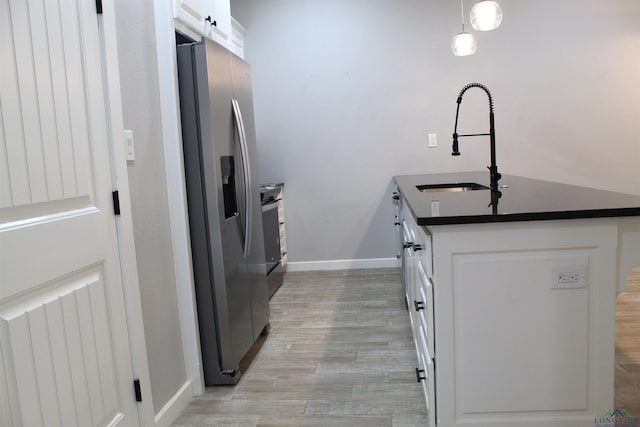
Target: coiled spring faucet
493 169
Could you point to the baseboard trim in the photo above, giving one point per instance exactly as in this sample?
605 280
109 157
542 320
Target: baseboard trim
343 264
170 411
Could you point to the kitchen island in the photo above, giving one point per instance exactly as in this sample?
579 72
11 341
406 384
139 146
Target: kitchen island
512 294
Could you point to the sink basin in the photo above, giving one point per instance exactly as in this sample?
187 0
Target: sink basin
452 187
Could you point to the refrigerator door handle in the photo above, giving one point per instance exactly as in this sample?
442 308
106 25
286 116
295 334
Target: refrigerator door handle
237 113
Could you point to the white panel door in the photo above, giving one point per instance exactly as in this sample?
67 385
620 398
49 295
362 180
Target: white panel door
64 351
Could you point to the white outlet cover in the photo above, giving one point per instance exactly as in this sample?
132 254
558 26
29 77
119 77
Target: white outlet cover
569 277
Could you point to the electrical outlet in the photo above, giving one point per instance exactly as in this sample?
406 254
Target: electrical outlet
569 277
433 140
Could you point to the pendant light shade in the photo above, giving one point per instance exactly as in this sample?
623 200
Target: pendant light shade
464 44
486 15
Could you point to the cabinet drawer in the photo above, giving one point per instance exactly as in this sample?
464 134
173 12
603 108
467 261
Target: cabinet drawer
423 362
412 320
407 231
426 364
425 255
428 383
426 315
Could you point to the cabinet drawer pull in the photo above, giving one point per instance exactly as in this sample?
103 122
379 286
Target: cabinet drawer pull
407 245
417 248
420 375
419 305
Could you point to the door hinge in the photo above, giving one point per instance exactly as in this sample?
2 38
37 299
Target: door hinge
116 202
136 388
99 7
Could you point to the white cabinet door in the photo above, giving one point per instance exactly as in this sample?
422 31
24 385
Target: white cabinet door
220 24
64 348
191 13
238 34
209 18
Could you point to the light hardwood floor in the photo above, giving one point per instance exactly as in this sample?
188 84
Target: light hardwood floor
340 353
628 346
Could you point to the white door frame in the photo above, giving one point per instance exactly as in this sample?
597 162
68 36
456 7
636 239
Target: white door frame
176 189
124 222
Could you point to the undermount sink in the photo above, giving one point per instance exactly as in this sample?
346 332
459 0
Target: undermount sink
452 187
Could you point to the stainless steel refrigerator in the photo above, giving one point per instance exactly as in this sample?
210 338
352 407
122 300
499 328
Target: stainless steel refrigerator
227 243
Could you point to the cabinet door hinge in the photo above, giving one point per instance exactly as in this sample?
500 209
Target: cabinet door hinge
136 388
116 202
99 7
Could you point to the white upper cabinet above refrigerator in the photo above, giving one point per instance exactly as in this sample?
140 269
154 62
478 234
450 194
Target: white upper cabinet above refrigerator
238 33
209 18
220 29
190 13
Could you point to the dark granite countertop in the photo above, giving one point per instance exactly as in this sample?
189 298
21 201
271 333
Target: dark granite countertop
522 199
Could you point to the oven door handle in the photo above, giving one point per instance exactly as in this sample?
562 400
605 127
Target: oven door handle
237 113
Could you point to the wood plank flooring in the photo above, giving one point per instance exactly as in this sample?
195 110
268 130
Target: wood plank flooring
340 353
627 380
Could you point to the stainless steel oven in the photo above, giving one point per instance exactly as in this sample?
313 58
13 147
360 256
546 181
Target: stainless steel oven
271 196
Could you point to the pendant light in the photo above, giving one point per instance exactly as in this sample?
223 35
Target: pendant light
486 15
463 43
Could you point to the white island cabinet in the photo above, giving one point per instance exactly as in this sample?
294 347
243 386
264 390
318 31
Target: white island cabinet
514 321
419 298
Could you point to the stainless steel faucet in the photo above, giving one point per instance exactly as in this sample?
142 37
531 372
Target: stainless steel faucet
493 169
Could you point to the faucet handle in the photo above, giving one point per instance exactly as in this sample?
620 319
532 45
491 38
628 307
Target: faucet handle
455 150
495 175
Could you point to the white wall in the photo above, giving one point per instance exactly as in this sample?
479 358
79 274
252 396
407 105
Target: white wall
148 188
346 93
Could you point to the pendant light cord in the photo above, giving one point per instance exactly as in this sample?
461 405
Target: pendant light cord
462 13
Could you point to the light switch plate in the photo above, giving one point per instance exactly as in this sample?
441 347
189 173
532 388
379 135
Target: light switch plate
433 140
435 208
128 145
